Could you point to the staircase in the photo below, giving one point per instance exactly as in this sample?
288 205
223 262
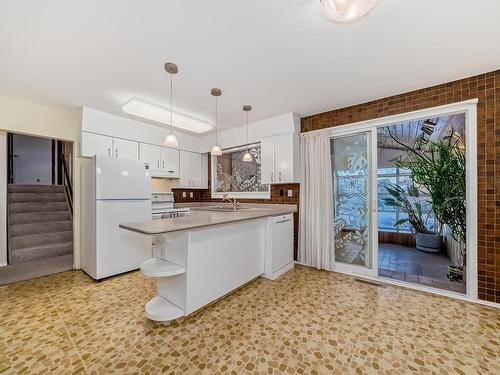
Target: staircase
40 222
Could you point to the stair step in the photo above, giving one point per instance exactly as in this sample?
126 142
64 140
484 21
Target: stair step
38 217
40 252
40 239
16 230
37 207
13 188
36 197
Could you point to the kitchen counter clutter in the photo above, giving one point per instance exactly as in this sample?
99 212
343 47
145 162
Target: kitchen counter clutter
202 257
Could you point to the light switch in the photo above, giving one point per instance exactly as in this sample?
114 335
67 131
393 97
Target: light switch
290 193
183 194
191 194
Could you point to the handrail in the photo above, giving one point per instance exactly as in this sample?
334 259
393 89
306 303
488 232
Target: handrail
67 184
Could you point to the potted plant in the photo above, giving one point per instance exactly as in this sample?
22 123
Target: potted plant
439 167
408 202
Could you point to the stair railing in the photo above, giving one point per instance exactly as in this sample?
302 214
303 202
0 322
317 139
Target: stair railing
67 184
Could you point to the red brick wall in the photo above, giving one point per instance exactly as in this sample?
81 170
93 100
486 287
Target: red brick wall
279 195
486 88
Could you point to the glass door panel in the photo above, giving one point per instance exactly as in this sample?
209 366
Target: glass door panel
351 200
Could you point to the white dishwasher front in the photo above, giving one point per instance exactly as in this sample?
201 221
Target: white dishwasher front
279 253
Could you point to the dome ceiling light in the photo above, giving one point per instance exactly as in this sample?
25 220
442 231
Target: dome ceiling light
346 11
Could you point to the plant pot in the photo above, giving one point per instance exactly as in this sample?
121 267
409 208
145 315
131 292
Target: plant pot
430 243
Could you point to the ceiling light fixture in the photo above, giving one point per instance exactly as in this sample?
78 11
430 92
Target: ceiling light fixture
247 156
171 140
346 11
157 113
216 150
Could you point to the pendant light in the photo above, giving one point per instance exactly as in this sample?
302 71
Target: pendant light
171 139
247 156
216 150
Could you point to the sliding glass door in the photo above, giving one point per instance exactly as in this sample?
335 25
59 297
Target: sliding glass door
352 203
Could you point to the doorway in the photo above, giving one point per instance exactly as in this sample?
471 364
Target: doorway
389 221
39 215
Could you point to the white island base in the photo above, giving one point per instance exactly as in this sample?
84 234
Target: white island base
198 266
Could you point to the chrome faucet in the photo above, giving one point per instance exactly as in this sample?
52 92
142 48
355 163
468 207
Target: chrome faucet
233 201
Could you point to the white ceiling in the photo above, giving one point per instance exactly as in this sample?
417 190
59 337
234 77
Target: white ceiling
279 56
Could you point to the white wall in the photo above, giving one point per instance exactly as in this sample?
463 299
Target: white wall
286 123
26 117
32 163
122 127
3 198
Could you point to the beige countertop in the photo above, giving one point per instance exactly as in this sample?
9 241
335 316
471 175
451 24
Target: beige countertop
202 216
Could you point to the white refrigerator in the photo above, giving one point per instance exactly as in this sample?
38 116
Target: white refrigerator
114 191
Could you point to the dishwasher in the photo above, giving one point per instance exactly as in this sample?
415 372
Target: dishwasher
279 249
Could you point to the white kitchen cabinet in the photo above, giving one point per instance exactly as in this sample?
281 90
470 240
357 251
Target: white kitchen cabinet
96 144
125 149
190 169
150 154
279 159
204 171
170 161
267 160
163 161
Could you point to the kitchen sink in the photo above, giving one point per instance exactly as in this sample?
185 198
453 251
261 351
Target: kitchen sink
223 208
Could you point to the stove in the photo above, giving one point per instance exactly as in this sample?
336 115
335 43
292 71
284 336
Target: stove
162 206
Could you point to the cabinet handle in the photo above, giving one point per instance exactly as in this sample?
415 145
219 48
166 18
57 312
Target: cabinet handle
116 152
109 151
279 176
163 163
157 164
283 221
272 177
171 172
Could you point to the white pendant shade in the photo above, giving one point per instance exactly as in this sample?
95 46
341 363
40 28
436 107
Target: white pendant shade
216 151
171 140
247 156
346 11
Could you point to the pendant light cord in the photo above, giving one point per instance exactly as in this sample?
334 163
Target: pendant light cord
171 101
247 130
216 112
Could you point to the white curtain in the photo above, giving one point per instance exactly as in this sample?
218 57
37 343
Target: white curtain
316 201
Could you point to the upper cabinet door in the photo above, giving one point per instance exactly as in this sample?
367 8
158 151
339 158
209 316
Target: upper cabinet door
204 171
125 149
150 154
284 151
196 169
170 161
267 155
184 169
96 144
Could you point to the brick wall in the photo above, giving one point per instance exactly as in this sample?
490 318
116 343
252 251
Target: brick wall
486 88
279 195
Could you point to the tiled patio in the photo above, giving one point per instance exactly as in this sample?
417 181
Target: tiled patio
417 267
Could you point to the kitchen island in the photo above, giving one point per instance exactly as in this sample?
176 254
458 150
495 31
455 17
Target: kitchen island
215 250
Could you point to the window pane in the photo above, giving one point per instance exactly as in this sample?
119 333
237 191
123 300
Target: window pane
386 220
236 175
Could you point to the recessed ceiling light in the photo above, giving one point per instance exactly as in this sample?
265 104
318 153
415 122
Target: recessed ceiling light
155 112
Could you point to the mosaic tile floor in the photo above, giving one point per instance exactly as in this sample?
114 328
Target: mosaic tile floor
307 322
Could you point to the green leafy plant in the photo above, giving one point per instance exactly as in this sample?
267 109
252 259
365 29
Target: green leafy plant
439 168
401 198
